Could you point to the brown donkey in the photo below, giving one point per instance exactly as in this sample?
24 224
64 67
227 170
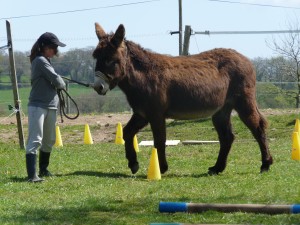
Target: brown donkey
157 87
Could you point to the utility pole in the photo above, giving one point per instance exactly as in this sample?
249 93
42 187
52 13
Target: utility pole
180 27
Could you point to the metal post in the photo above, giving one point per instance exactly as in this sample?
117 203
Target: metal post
15 85
180 27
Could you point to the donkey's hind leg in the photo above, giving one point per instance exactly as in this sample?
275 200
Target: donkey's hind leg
250 115
133 126
222 123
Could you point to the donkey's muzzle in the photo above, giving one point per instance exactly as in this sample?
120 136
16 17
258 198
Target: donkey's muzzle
99 89
101 83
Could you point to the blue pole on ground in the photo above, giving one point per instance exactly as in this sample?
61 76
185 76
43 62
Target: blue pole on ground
172 207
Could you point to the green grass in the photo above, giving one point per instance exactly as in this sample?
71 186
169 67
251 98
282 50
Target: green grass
80 94
8 98
92 184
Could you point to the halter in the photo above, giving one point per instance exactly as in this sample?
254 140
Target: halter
106 77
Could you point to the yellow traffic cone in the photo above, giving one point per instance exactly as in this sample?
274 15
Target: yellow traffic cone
154 170
119 135
297 126
87 135
296 146
135 144
58 141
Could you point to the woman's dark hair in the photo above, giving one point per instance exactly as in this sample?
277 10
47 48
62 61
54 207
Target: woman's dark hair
35 51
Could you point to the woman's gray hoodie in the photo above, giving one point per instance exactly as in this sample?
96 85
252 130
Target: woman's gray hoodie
44 82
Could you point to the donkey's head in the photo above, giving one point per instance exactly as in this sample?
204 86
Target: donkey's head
110 55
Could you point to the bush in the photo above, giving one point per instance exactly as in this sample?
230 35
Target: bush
269 95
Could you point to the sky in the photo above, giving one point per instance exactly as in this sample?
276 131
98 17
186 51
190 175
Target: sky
149 22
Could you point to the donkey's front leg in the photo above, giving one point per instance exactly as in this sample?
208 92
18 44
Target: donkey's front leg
133 126
158 127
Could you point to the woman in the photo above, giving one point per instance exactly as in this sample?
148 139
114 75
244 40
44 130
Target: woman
42 106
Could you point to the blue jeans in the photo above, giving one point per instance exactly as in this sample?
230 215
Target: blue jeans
41 129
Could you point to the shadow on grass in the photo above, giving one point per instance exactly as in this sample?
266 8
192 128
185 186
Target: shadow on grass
187 175
83 173
291 123
186 122
121 175
102 174
113 175
18 179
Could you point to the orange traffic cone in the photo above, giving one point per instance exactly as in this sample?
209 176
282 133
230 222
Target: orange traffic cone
58 140
119 135
154 170
87 135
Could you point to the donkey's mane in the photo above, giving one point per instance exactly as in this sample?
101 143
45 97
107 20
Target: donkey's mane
141 58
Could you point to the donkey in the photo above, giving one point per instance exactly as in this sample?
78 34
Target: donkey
212 83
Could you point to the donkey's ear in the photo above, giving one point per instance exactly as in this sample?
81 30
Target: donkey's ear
118 36
99 31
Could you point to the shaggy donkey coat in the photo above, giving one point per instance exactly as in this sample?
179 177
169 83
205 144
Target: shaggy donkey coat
212 83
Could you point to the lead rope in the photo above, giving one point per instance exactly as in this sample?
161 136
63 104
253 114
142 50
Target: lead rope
62 105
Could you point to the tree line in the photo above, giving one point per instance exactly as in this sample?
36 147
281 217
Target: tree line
77 64
276 76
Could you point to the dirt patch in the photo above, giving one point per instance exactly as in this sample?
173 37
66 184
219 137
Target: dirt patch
103 126
101 120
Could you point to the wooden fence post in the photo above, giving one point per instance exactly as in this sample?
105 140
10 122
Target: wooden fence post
13 77
186 44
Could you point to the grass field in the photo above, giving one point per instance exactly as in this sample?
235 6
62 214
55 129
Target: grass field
87 100
8 98
92 184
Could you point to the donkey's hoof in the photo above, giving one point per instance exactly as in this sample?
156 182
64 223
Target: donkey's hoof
134 167
266 165
264 168
213 171
163 169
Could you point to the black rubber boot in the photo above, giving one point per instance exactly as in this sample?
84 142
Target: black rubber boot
31 168
44 163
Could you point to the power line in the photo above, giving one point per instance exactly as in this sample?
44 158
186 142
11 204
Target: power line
255 4
87 38
78 10
246 32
